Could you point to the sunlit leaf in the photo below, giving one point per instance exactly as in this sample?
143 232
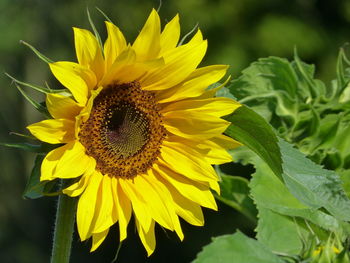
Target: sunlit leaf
269 192
312 185
280 233
253 131
236 248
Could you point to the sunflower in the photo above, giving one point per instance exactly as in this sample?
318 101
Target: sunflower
138 131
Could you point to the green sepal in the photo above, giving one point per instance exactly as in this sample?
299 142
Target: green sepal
97 35
27 136
36 188
104 14
39 107
40 55
37 148
35 87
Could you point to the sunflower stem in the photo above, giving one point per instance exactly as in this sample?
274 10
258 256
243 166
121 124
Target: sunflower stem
64 228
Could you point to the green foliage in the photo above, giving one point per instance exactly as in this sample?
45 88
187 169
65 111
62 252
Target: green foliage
35 188
312 185
303 209
235 193
236 248
262 141
303 110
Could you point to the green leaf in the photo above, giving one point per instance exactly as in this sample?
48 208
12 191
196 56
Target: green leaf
341 71
236 248
265 75
306 72
253 131
280 233
35 188
235 193
270 84
41 56
345 177
312 185
270 193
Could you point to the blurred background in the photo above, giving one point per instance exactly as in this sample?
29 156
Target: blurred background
239 32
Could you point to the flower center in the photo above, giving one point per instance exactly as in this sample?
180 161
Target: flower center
124 131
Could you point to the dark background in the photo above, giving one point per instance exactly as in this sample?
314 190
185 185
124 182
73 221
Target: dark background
238 31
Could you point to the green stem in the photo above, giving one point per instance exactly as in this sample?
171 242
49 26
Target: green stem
64 228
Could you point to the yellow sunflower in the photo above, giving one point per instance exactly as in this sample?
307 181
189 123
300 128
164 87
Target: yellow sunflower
139 129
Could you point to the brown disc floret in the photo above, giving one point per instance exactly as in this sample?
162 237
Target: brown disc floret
124 131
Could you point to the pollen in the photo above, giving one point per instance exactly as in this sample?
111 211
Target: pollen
124 132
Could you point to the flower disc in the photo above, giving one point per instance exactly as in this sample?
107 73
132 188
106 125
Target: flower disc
124 131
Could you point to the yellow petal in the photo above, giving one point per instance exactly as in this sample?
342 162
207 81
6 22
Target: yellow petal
225 141
188 163
50 162
53 130
214 106
147 43
184 207
179 64
78 187
197 38
154 201
86 206
126 58
187 209
192 190
104 207
194 125
74 162
170 35
88 51
138 204
62 107
212 92
194 85
85 112
123 207
78 79
211 150
166 199
114 44
215 154
147 237
98 238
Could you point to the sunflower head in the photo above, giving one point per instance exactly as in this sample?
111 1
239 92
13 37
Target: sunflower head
140 131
